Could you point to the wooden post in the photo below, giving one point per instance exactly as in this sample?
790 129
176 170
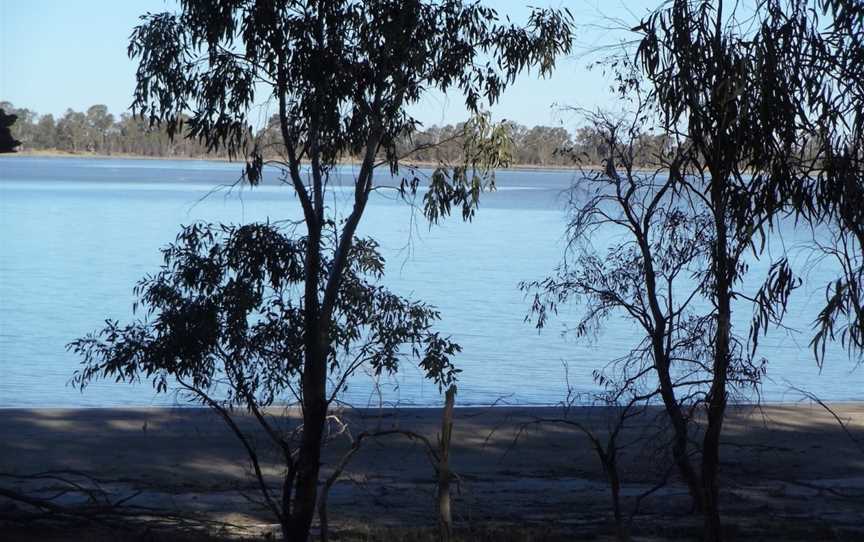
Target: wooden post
445 518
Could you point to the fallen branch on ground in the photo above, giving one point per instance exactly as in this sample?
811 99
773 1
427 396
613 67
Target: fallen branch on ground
95 505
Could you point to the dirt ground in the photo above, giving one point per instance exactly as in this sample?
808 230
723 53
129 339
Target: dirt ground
789 472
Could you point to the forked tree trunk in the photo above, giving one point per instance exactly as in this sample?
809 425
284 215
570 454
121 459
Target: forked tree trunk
609 459
662 366
680 440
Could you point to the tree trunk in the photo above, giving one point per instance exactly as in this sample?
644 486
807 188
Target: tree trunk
717 394
287 491
711 441
711 451
610 465
680 428
662 366
445 517
309 457
314 399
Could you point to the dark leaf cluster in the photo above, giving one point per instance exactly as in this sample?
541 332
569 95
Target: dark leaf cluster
225 308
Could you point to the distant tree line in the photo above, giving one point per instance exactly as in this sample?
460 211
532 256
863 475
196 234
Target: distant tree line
539 145
98 131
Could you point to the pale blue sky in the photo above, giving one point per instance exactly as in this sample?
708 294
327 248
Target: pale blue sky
56 54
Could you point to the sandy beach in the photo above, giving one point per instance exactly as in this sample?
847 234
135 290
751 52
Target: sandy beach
792 465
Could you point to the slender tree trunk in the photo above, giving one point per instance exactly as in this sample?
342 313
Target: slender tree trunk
717 394
711 442
711 462
610 465
445 517
314 387
287 492
719 169
309 457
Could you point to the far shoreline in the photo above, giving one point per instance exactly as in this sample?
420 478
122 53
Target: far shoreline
225 160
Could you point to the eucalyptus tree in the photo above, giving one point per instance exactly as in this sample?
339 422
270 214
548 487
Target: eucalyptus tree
541 144
45 132
753 94
99 121
835 189
653 272
644 276
342 75
222 320
72 131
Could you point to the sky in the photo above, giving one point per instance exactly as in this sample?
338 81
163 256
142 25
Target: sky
59 54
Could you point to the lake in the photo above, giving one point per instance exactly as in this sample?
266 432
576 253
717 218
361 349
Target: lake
76 234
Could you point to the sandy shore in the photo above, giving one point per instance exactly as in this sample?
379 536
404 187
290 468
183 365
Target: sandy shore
791 463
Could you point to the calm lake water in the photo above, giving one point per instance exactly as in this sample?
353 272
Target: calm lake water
76 234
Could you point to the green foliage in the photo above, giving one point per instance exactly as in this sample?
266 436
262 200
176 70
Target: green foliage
225 307
775 113
655 274
72 131
485 147
367 61
769 108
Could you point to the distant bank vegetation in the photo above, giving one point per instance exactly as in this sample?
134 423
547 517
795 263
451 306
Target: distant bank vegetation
100 132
